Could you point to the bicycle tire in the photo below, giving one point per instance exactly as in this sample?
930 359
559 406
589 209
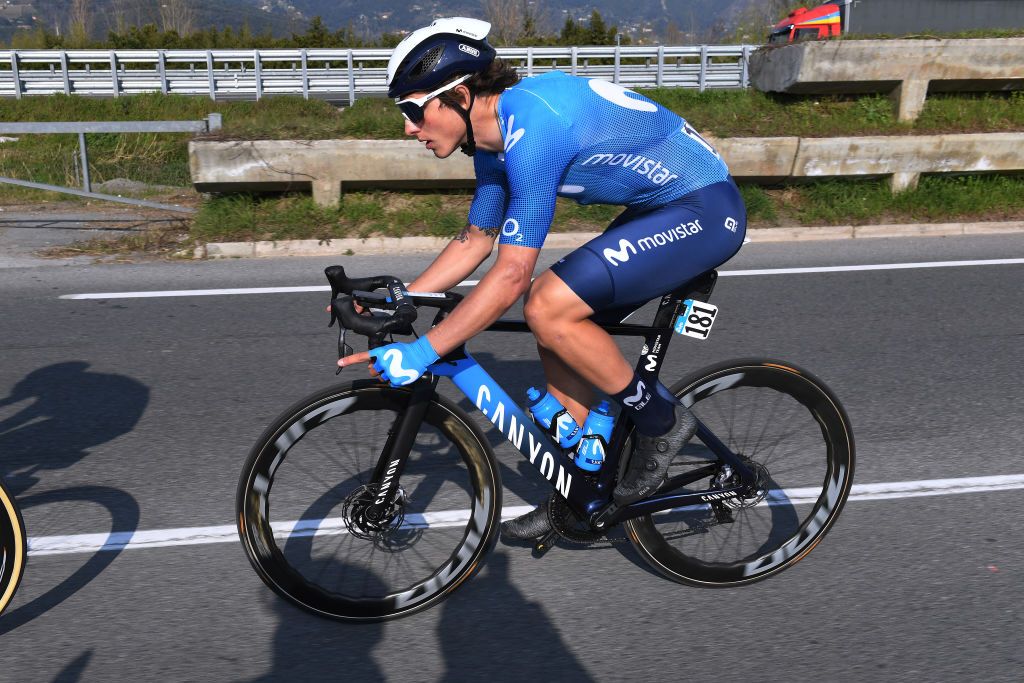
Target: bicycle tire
13 547
332 432
744 403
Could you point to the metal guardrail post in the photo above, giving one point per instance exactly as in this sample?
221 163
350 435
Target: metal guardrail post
214 121
529 61
351 81
113 74
209 71
615 79
17 76
661 66
258 72
64 72
305 76
745 67
161 66
573 57
702 80
86 183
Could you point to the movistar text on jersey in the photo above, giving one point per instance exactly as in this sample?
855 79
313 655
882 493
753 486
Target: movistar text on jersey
652 168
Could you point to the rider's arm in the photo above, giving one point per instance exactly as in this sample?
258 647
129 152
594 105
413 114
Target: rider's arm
460 258
474 244
501 287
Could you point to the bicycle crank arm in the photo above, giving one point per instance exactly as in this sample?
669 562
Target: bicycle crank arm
545 543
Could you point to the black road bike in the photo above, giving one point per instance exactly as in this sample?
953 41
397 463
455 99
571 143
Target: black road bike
13 547
366 502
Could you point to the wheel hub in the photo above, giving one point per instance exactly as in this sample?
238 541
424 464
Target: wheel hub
358 503
750 495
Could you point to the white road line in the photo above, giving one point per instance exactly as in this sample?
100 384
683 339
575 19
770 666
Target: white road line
162 538
473 283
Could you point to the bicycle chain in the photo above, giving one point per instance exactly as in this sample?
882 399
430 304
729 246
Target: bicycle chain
562 519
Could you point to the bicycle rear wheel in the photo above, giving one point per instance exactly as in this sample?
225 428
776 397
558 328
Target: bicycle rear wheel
13 547
308 477
788 427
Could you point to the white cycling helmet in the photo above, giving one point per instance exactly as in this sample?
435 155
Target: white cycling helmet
430 56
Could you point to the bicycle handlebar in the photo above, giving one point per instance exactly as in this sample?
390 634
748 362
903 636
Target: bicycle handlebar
373 326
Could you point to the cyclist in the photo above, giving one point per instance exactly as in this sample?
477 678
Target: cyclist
532 140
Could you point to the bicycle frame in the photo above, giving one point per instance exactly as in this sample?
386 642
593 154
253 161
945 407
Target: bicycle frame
588 495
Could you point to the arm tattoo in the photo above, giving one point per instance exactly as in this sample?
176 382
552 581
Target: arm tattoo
464 235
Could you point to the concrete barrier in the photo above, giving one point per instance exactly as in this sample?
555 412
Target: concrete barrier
328 166
907 69
323 166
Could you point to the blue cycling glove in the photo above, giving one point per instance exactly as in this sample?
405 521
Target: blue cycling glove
403 363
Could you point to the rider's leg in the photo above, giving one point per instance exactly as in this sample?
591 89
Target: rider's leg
642 255
577 353
565 384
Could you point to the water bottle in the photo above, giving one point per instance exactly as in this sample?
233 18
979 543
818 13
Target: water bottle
544 407
599 423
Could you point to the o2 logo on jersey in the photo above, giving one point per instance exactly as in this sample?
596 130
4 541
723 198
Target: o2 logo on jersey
616 94
511 229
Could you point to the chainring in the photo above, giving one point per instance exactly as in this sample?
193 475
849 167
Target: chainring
568 525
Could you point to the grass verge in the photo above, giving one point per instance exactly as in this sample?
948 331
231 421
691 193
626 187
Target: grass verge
443 214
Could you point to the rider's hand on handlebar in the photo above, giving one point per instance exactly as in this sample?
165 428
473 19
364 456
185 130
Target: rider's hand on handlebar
400 363
359 309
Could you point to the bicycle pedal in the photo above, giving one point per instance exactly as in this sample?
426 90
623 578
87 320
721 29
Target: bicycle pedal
544 544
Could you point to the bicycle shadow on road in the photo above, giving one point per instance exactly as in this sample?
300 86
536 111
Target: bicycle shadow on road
310 648
71 411
491 630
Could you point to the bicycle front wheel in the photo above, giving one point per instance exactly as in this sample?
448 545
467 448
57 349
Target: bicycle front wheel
13 547
309 477
789 428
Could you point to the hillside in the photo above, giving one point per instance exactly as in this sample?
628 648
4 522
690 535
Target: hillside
642 20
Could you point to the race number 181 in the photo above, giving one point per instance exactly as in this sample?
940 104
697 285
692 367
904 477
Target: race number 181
697 319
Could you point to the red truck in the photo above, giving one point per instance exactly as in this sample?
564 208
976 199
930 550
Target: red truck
808 24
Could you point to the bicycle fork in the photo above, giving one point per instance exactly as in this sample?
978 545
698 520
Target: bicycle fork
395 454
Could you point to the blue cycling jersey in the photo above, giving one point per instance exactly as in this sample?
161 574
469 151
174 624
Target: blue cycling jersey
589 140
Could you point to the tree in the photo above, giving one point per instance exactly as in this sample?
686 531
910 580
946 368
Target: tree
177 16
595 33
79 23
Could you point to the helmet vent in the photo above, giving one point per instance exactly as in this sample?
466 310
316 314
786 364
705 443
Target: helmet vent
428 62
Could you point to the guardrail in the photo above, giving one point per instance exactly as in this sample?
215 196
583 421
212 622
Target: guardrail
340 75
210 123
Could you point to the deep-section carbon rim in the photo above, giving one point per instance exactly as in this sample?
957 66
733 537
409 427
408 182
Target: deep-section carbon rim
310 466
788 423
13 548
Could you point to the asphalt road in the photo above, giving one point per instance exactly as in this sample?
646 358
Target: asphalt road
134 415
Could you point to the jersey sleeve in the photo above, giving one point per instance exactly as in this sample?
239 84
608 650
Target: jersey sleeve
539 146
491 197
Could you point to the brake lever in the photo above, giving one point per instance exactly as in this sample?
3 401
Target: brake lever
344 349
